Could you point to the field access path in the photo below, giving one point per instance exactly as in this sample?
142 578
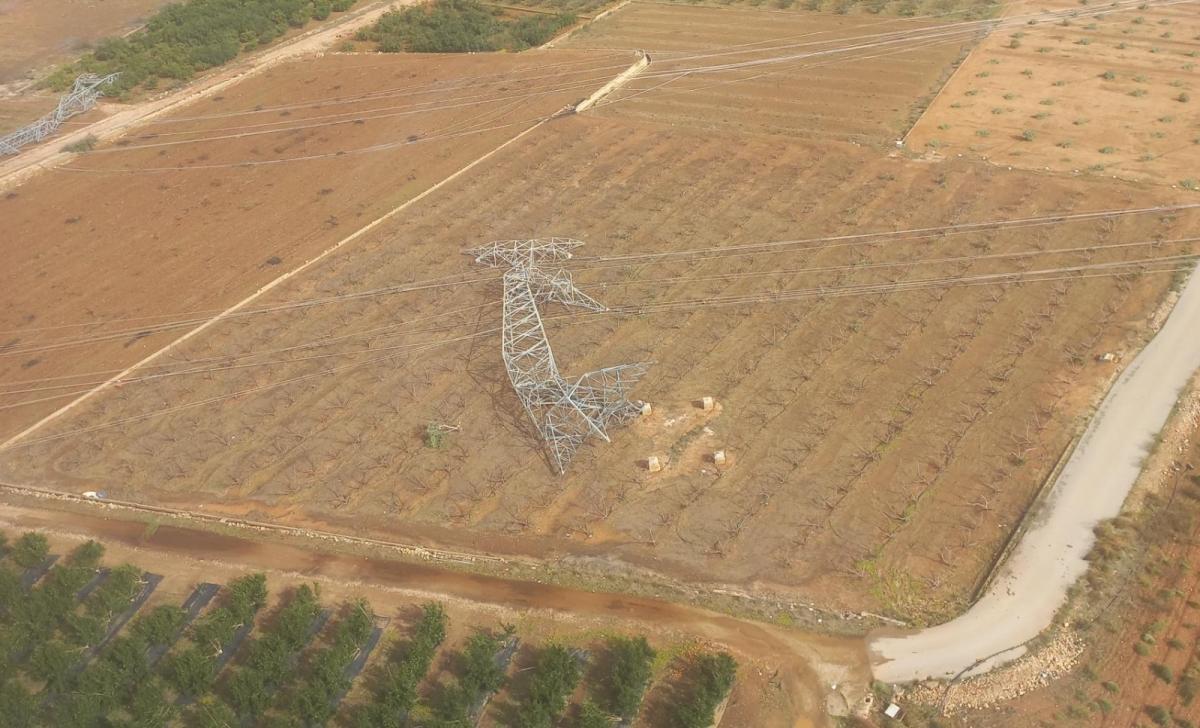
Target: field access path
803 663
49 154
1092 487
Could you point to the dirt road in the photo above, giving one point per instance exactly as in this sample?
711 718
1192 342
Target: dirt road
1050 558
32 160
807 662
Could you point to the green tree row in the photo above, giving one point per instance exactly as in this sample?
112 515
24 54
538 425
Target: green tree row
482 674
460 26
712 679
396 685
313 702
192 670
56 633
33 618
186 37
555 677
119 688
271 657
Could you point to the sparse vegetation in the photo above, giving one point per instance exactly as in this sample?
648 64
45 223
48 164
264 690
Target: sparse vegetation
187 37
85 144
460 26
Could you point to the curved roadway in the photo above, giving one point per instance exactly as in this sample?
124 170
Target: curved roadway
1033 583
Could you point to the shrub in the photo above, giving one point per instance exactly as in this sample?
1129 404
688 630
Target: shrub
160 625
86 144
459 26
1183 98
591 716
713 677
184 38
1028 135
629 674
1158 714
1187 689
555 677
435 436
1162 672
30 550
396 691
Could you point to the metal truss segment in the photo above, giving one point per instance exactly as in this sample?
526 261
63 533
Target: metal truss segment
565 412
80 98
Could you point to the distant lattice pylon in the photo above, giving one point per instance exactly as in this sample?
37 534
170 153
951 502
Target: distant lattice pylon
80 98
566 412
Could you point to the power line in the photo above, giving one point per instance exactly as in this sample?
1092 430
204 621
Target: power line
587 264
1182 263
945 32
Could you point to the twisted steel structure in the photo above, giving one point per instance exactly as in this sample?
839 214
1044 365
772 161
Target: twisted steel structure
80 98
566 412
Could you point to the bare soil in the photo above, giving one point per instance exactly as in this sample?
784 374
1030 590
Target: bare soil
1107 96
37 34
866 96
168 221
1142 611
882 446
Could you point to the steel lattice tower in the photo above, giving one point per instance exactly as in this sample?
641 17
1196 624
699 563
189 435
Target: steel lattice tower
80 98
565 411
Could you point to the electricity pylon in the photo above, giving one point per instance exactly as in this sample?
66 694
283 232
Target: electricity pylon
565 412
80 98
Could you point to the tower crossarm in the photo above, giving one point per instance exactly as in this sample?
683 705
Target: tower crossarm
565 412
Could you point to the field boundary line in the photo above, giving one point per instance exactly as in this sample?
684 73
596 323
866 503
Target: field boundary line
579 26
945 85
616 83
265 288
428 553
1031 510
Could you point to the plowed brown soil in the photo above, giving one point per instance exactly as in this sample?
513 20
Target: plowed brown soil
36 34
844 84
1113 95
194 213
882 445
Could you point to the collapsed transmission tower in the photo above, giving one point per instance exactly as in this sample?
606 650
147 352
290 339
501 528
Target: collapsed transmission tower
80 98
565 412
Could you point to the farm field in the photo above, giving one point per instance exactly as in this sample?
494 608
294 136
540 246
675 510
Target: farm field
895 369
881 445
387 613
1133 621
35 35
1110 95
199 209
867 95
